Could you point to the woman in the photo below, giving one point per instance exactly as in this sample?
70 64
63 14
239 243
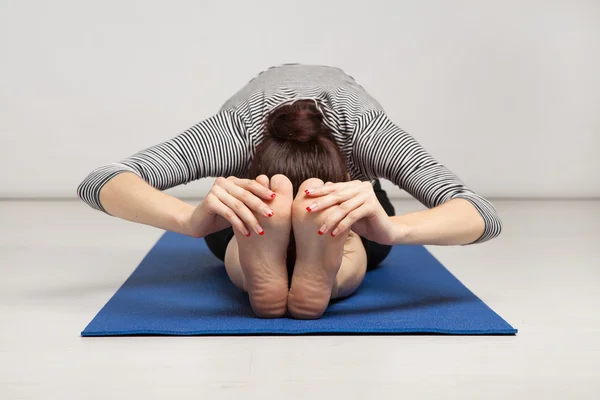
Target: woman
301 215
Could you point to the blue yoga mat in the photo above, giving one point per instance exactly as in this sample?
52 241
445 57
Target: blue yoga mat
180 288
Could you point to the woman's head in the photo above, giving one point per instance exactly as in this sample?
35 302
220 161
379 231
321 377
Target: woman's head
299 145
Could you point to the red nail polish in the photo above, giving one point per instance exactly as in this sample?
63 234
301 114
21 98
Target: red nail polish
273 195
320 233
270 214
262 233
306 191
308 209
332 235
247 235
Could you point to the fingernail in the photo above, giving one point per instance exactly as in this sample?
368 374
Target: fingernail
273 195
322 229
269 213
335 232
247 234
311 207
307 191
259 230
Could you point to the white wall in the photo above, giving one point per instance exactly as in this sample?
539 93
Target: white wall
505 93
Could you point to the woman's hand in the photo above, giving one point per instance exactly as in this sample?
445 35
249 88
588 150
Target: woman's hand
352 205
232 202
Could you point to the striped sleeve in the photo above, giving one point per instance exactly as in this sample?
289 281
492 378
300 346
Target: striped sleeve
217 146
383 150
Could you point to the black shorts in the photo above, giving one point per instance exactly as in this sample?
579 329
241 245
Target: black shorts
217 242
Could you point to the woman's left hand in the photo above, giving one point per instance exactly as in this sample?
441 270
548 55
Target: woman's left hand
352 205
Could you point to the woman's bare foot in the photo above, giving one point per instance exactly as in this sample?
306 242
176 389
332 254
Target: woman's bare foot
263 256
319 261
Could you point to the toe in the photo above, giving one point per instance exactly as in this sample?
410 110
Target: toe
263 180
281 185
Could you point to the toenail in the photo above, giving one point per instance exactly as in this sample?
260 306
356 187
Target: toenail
311 207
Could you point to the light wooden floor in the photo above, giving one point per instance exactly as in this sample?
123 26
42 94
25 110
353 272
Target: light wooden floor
60 262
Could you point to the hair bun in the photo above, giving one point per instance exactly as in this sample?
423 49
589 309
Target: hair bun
300 121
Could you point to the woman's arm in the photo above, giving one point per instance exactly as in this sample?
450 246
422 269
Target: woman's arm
131 189
129 197
455 222
455 215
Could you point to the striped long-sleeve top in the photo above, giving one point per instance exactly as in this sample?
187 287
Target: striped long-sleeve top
223 145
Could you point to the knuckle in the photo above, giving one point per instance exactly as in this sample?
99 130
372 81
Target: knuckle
229 215
220 180
238 205
245 196
210 200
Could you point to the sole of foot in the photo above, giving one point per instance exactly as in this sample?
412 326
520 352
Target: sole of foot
263 255
318 259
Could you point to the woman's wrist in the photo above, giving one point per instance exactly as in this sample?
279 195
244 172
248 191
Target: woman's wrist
184 220
400 231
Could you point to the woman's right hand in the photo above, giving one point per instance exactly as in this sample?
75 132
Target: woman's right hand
232 202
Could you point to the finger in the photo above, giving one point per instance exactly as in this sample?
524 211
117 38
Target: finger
330 187
221 209
340 212
321 190
239 208
336 197
239 191
260 189
353 217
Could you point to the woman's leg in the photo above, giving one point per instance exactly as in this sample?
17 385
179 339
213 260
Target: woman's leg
233 266
321 270
257 264
353 268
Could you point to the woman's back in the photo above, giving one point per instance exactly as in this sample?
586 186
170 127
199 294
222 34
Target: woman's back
333 88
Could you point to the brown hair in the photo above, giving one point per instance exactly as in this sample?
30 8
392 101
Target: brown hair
298 144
